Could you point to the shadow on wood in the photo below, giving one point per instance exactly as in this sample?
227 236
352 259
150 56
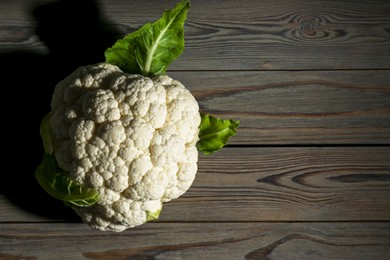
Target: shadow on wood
75 34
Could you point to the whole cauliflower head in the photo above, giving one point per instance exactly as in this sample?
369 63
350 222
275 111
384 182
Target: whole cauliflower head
129 137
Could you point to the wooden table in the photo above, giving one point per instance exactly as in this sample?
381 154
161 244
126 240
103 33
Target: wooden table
306 177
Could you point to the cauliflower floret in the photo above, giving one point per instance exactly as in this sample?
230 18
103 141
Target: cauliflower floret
129 137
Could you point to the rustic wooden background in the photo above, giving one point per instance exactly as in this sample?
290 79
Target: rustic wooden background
306 177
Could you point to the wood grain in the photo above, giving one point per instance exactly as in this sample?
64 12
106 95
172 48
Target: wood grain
305 107
248 241
306 177
288 184
227 35
270 184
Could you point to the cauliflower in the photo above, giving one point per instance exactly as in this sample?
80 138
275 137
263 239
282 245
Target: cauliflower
122 138
129 137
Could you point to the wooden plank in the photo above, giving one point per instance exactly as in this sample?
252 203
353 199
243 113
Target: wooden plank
260 184
290 107
288 184
224 35
305 107
198 241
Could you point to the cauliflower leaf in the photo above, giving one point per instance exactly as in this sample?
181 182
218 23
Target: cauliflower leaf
214 133
153 215
149 50
54 180
45 132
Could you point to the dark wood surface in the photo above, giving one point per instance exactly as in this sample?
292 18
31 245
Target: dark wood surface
306 177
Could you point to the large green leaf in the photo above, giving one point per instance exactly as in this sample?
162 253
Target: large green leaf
149 50
55 182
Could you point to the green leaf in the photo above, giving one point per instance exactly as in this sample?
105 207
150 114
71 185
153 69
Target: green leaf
45 131
55 182
214 133
153 47
153 215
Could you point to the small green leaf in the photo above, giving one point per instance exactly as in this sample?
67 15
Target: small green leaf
55 182
149 50
153 215
214 133
45 131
